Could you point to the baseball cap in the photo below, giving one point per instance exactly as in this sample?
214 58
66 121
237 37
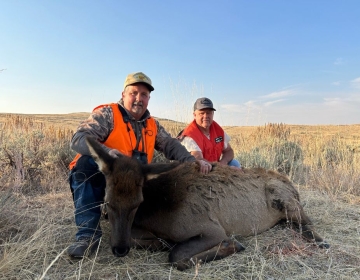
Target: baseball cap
138 77
203 103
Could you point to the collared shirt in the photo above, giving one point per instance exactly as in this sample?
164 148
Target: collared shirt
191 145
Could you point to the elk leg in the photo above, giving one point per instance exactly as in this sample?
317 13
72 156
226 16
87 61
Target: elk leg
224 249
298 216
156 244
193 251
142 239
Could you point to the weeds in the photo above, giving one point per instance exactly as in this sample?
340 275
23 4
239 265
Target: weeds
302 156
36 211
32 154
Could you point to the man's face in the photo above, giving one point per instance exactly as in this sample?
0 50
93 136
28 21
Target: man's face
136 99
204 117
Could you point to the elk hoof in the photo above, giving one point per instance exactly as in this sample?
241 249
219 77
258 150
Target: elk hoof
323 245
181 265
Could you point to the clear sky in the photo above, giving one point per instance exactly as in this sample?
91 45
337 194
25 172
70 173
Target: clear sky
295 62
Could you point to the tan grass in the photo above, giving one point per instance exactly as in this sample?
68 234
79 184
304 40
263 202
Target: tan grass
37 223
34 240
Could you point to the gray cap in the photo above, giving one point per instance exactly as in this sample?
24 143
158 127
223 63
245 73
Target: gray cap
203 103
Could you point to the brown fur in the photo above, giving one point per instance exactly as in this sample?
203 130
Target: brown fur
196 213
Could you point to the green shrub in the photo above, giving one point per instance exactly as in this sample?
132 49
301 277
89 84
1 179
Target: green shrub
288 157
32 153
254 158
334 153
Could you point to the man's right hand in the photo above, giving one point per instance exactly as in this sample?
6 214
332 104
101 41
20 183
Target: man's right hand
115 153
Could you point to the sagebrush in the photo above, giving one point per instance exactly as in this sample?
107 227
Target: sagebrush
36 208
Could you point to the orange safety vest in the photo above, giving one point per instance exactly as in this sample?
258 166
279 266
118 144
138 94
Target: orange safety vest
211 148
123 138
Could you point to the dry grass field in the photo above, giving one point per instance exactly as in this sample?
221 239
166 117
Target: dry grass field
36 209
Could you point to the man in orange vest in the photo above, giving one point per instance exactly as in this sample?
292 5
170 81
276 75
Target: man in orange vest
205 139
125 128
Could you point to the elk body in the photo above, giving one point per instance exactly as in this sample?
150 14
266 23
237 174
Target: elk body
196 213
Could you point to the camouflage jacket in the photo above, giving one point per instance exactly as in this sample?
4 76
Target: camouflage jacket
100 124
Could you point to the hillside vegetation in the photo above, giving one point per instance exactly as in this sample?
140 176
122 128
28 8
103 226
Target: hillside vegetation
36 208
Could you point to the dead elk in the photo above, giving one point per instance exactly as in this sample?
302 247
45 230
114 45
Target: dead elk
198 213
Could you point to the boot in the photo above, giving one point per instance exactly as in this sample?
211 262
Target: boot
83 246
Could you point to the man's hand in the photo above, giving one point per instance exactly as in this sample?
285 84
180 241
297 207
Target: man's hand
205 167
114 153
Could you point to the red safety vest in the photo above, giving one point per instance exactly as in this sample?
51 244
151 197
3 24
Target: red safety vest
123 138
211 148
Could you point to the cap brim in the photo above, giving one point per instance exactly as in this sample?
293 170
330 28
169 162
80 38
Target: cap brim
150 87
213 109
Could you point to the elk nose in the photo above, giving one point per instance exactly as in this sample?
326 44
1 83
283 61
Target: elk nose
120 251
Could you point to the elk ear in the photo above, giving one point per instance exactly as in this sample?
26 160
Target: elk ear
154 170
101 157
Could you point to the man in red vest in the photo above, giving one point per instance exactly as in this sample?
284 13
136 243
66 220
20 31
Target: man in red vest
124 128
205 139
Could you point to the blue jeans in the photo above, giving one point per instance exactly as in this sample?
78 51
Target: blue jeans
235 163
87 185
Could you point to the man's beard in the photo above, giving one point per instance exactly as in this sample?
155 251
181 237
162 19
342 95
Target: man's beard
137 107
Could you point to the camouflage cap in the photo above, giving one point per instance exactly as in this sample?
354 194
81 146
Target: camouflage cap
138 77
203 103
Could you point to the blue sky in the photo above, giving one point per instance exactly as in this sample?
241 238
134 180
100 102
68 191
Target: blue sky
295 62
